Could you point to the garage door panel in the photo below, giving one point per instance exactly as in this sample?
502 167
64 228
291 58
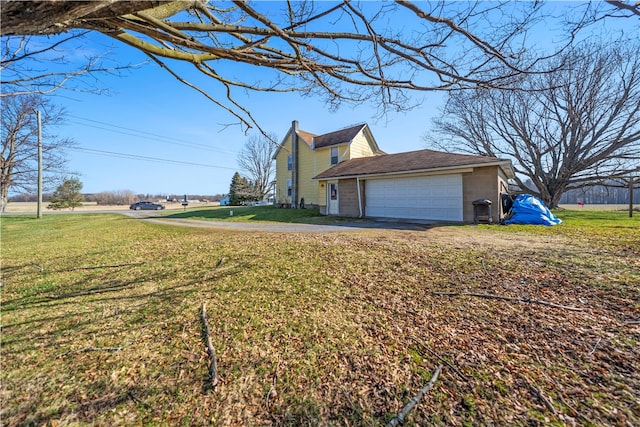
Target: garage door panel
430 198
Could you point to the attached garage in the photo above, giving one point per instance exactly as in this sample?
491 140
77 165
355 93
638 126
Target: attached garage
423 185
437 198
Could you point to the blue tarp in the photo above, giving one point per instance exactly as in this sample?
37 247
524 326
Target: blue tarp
528 209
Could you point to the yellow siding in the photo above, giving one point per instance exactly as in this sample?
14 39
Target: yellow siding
307 187
322 195
282 174
310 164
323 159
360 147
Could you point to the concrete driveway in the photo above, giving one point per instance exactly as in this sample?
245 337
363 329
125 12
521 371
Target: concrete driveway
275 227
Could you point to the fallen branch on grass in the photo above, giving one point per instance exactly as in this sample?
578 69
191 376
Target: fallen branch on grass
574 411
219 269
538 393
402 415
87 349
502 297
272 393
137 400
593 350
95 267
442 359
213 364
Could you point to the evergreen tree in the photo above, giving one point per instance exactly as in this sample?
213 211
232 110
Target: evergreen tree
235 189
67 195
241 191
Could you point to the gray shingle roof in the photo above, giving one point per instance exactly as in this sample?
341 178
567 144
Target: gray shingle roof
404 162
341 136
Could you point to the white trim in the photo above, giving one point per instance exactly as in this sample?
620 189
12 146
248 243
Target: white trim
281 145
426 197
335 203
347 149
424 172
430 171
359 196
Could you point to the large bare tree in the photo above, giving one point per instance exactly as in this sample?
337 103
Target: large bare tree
29 65
343 51
575 126
256 158
19 133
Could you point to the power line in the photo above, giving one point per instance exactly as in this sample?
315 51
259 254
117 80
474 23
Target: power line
150 135
145 158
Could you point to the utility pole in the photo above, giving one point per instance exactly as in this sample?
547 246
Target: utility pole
39 209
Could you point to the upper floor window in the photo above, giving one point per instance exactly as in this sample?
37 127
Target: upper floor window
289 163
334 155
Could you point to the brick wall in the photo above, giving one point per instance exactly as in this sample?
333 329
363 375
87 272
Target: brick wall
348 198
481 184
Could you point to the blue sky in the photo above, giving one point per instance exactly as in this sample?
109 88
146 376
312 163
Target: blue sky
148 113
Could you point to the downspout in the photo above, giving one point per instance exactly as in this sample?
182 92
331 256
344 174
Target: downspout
359 196
294 164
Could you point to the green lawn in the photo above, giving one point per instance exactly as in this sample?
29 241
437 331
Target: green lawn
256 213
101 322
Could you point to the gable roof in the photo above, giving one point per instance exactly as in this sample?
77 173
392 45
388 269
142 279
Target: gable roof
307 137
341 136
412 161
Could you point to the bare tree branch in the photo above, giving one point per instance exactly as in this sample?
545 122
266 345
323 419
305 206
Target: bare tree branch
28 66
625 6
256 158
19 135
574 126
344 51
347 52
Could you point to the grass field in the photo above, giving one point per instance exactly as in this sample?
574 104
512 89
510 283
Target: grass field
101 323
89 207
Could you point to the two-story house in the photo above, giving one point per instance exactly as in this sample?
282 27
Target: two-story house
345 173
303 155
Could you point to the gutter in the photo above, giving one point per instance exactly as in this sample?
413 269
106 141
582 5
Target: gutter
457 169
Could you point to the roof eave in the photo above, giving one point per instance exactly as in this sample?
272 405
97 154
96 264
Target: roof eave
460 169
281 145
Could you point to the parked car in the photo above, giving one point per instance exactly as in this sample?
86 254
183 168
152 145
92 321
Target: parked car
146 206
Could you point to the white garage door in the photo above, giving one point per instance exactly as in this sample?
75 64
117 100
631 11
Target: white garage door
430 198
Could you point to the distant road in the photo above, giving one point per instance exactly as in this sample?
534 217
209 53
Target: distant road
30 208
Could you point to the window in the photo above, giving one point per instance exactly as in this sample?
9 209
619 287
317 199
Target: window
334 191
289 163
334 156
289 187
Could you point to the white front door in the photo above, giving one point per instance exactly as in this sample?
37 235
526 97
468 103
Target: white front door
332 198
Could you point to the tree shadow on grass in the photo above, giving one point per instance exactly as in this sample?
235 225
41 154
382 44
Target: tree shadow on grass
35 317
256 213
267 214
84 408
